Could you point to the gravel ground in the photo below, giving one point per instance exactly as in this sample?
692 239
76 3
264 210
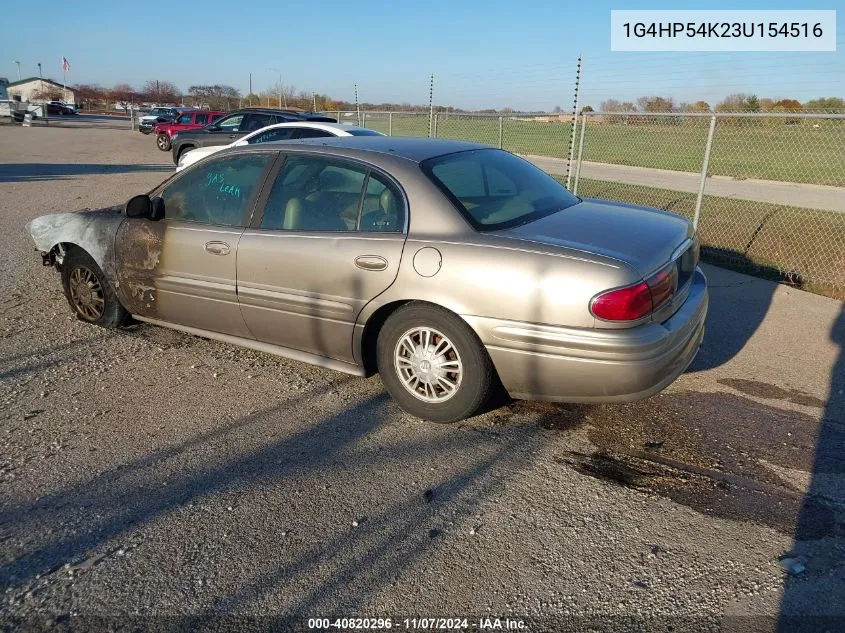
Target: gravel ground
155 479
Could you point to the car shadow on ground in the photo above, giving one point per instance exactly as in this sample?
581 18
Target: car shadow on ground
29 172
738 305
814 590
362 560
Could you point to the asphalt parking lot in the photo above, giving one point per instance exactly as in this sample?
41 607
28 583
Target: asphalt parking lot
152 475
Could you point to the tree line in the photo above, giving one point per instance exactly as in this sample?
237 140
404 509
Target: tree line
738 102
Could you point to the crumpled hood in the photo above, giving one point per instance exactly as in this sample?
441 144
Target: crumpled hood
91 229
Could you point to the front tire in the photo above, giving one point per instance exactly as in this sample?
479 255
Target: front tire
433 364
89 293
163 142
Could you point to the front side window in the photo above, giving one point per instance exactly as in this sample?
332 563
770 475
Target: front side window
322 194
495 189
185 118
218 192
231 123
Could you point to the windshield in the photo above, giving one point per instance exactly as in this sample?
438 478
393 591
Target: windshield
495 189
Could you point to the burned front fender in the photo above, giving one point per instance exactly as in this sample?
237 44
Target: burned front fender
93 231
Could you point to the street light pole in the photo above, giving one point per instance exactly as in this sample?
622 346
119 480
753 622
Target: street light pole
281 96
19 69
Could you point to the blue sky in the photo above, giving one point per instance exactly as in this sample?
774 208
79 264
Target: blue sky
484 53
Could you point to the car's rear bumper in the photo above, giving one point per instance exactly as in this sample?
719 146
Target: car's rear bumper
540 362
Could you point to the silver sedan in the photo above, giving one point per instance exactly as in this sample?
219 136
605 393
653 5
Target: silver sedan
451 268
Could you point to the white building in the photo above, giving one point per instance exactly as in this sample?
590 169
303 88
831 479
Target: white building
32 88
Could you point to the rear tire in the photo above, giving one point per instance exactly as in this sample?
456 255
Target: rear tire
433 364
163 142
88 292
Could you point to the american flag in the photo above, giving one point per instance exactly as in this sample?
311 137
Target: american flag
65 64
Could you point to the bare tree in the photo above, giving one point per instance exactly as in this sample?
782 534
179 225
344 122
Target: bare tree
656 104
123 95
216 96
161 92
89 95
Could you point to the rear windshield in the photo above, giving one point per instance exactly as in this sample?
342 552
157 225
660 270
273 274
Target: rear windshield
495 189
363 132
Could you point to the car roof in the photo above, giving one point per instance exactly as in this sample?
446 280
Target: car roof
314 125
415 149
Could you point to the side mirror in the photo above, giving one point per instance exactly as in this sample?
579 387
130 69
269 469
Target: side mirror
143 207
138 207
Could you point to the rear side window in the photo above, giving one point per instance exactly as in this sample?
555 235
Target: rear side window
495 190
308 132
327 195
279 134
202 119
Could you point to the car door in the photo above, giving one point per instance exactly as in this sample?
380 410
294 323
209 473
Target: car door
182 269
226 129
328 240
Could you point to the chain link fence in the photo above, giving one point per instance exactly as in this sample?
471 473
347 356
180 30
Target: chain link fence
767 191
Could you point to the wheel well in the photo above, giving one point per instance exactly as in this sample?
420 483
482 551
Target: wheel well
187 147
374 325
371 332
60 251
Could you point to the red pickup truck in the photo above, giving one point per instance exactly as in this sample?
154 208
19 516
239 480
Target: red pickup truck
188 121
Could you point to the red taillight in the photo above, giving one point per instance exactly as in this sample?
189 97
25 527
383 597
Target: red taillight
623 304
635 302
662 286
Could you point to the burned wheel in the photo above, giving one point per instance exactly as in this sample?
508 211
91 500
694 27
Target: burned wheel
433 364
89 293
86 294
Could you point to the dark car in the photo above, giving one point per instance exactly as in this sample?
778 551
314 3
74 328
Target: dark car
235 125
161 114
54 108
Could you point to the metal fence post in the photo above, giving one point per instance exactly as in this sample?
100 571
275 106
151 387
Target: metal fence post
364 119
704 165
501 119
580 154
390 124
434 129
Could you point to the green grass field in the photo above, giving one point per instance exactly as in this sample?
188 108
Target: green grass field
801 246
765 149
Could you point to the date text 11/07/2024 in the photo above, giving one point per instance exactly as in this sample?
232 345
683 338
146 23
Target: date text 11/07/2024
416 624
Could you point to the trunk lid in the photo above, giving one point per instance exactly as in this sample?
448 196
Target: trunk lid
641 237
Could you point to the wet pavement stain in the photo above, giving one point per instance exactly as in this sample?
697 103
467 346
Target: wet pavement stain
772 392
707 451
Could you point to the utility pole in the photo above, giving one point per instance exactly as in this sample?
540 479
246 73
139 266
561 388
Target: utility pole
313 101
430 105
574 122
357 107
250 88
19 69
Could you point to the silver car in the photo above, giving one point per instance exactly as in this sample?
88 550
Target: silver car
451 268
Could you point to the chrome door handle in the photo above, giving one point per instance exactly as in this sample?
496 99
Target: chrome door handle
217 248
370 262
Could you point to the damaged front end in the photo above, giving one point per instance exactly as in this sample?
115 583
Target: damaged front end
93 231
